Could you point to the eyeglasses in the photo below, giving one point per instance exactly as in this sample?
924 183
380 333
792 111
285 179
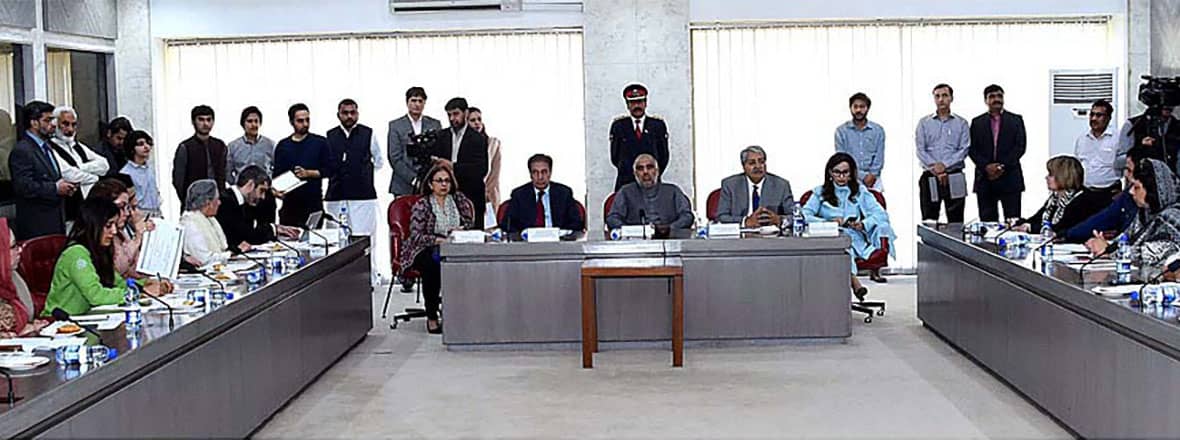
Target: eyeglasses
840 172
446 181
1099 114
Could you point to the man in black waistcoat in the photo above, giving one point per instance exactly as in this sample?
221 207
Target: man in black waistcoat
356 156
636 133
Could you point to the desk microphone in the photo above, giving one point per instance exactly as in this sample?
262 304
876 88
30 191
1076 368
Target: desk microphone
1109 248
292 249
321 237
643 221
11 393
1172 266
171 321
212 278
62 315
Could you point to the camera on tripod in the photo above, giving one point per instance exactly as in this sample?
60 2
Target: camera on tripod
419 152
1159 93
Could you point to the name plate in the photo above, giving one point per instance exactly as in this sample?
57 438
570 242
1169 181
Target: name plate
637 232
467 236
328 237
542 235
726 230
823 229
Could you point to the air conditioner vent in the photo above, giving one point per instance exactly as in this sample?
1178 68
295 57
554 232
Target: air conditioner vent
1082 88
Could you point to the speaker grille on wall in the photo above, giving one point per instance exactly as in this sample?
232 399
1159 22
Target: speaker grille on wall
1083 88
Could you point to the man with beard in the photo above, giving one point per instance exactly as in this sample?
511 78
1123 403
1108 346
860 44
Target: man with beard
648 201
111 147
79 165
997 144
307 156
636 133
864 140
37 183
240 224
201 156
466 151
356 156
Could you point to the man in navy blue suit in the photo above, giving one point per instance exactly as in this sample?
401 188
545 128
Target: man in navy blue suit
542 203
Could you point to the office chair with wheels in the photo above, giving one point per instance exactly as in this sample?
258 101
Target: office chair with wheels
398 218
874 263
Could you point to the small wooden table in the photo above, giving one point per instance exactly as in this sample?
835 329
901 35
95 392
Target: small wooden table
592 270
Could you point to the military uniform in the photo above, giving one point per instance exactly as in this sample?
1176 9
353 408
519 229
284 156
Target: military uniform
630 137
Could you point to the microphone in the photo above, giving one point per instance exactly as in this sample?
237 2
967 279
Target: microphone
209 296
1109 248
11 393
320 236
62 315
643 221
292 249
265 269
171 321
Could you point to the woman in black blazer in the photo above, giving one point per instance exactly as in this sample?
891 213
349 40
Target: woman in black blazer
1069 203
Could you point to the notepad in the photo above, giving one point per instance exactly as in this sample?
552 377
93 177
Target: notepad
286 182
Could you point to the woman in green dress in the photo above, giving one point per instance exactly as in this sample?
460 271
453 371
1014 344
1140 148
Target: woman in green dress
85 275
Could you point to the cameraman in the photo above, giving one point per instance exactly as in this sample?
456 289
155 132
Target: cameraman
1137 131
400 132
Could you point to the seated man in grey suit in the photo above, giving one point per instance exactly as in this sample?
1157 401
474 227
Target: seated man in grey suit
648 201
755 197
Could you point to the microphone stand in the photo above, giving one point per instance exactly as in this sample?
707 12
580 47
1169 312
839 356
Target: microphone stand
209 297
1104 253
11 393
291 248
321 237
171 321
257 263
643 221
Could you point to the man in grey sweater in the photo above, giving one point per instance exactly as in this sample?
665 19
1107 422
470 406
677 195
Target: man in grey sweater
650 201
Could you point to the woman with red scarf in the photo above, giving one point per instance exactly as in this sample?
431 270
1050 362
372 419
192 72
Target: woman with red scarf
16 303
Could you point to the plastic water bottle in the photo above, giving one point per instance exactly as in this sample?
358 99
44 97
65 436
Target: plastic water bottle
1013 242
1122 260
345 229
216 299
800 224
133 316
83 354
1046 239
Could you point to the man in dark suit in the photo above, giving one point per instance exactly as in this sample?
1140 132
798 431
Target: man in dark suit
636 133
466 150
37 183
400 132
997 144
244 225
542 203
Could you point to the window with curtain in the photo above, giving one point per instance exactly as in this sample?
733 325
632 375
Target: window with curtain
10 83
79 79
528 85
785 87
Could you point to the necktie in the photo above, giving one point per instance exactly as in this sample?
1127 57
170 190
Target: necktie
49 153
540 220
638 130
755 198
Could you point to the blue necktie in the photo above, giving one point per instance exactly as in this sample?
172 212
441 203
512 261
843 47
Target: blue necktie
756 198
52 160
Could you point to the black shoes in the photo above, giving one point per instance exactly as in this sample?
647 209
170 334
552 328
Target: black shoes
860 293
876 276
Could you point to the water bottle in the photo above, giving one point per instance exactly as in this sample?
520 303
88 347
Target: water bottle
1149 295
1046 239
345 229
82 354
800 224
1168 293
1122 260
1013 242
616 234
133 316
216 299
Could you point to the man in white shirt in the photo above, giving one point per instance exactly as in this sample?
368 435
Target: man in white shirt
79 164
1098 150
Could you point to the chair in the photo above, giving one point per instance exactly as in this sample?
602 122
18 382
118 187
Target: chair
582 212
502 213
37 261
606 205
878 260
711 205
398 218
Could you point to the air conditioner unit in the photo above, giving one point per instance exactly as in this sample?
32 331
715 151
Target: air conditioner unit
1071 93
417 6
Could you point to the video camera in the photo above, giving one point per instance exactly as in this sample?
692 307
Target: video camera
419 152
1157 93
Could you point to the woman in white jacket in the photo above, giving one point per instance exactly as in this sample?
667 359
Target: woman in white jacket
204 241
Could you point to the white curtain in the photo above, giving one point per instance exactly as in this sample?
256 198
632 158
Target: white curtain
58 72
786 88
529 86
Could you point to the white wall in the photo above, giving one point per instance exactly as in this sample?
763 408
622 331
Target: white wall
703 11
173 19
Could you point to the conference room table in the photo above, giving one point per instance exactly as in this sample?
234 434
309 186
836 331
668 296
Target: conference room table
1103 367
219 374
749 289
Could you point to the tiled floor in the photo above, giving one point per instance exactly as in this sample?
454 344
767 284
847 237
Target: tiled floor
892 379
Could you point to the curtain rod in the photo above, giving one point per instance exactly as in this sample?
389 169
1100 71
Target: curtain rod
368 36
904 22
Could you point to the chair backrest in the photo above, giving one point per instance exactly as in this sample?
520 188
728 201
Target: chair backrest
37 261
804 198
582 212
398 217
711 204
502 213
606 204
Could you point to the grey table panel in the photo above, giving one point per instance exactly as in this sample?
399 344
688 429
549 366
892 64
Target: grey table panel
218 380
1086 369
734 289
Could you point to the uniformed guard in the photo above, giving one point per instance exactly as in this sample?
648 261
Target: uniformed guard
636 133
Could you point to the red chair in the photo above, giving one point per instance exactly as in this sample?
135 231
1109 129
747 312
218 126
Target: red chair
502 213
711 205
398 218
582 212
606 205
878 260
37 261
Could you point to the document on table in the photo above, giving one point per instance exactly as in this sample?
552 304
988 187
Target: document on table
286 182
160 252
